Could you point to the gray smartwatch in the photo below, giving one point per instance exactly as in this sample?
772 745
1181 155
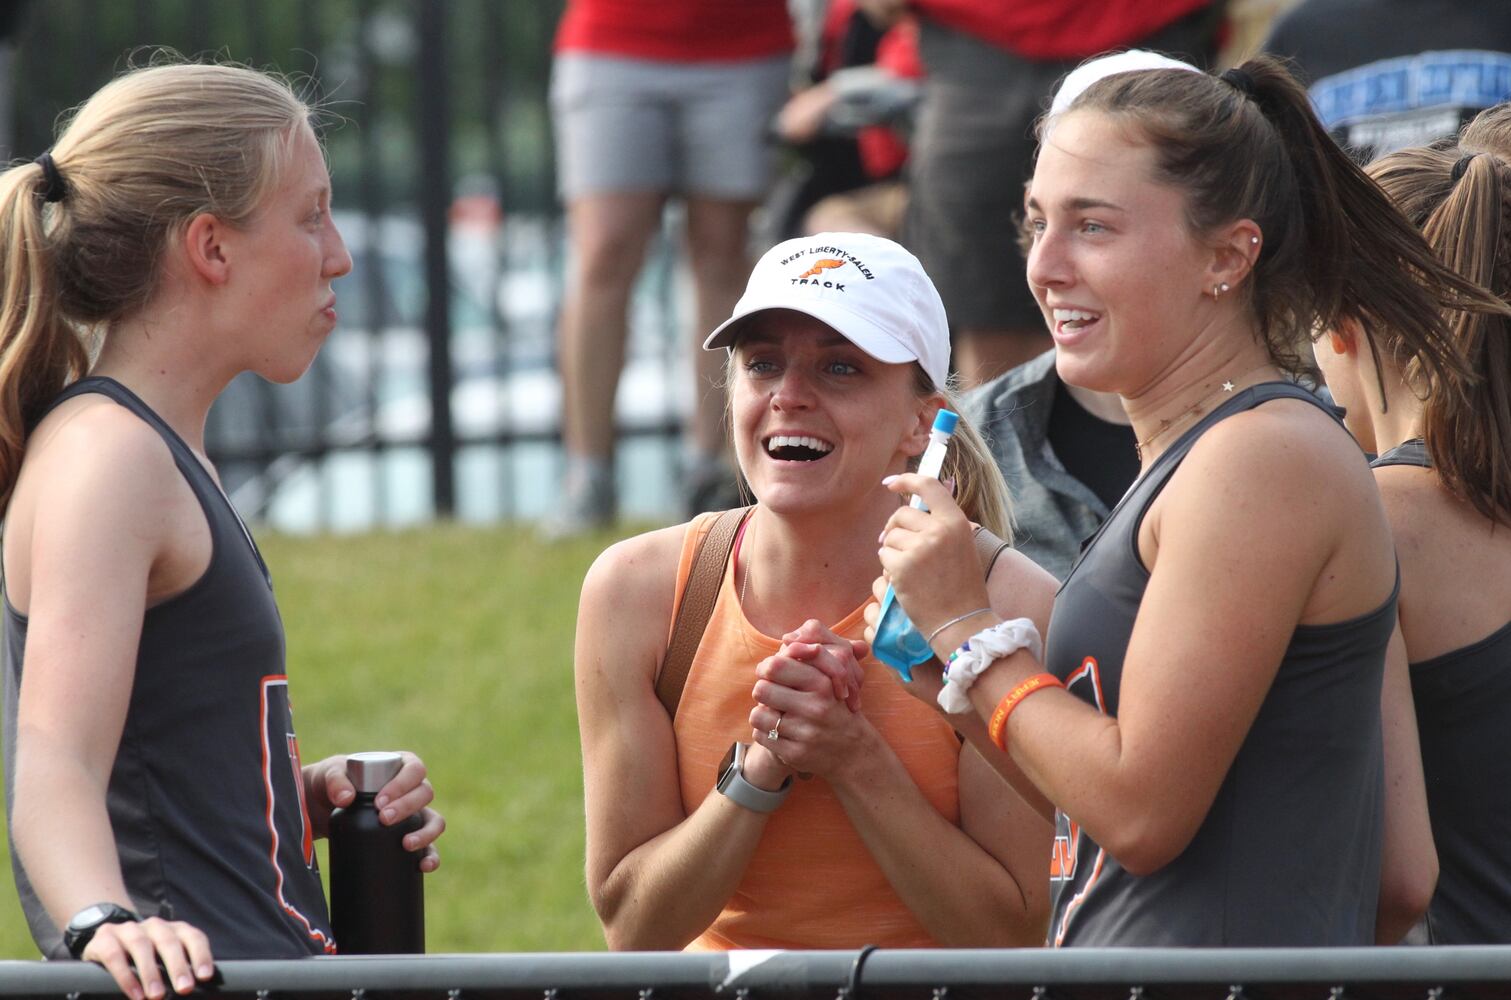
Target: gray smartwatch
733 784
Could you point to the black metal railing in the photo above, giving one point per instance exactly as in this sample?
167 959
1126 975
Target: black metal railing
442 163
1441 973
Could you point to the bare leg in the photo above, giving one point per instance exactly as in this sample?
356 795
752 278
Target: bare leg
609 234
717 237
982 355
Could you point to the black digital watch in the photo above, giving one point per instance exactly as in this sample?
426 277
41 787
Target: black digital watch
81 929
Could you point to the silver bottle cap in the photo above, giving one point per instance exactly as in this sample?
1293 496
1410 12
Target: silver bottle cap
373 769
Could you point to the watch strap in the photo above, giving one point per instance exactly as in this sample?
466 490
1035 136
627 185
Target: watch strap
82 927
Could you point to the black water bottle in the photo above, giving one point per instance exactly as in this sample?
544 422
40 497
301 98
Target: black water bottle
377 890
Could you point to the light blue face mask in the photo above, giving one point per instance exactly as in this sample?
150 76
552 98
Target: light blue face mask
898 644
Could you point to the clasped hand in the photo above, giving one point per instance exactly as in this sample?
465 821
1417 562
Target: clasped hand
809 693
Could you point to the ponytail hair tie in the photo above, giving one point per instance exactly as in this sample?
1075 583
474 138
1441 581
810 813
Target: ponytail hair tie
1462 166
1239 81
54 187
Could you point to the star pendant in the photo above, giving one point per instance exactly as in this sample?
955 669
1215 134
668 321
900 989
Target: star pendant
1227 386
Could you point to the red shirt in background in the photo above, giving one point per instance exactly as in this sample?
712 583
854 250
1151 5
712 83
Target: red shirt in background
677 30
882 150
1057 29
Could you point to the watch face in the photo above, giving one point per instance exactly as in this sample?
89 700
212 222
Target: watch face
728 767
88 917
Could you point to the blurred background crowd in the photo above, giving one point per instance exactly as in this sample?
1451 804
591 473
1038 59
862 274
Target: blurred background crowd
536 254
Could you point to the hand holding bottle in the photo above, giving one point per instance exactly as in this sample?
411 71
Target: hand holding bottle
327 787
377 891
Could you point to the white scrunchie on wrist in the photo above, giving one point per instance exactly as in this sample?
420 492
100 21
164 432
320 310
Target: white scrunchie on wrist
981 651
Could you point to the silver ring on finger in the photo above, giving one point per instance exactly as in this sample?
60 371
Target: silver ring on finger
774 733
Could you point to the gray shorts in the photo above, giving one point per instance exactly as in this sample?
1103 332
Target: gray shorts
698 129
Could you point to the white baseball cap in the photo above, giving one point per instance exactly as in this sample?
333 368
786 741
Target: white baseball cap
1131 61
869 289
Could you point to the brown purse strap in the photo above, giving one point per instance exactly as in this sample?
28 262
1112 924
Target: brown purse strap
989 549
697 607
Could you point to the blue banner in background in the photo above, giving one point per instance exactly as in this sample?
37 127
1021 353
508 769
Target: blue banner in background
1410 100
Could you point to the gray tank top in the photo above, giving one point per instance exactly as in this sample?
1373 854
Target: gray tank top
1289 853
205 798
1409 452
1462 699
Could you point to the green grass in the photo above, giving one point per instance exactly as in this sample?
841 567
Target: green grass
456 643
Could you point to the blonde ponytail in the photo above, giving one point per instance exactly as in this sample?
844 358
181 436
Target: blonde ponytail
980 489
39 352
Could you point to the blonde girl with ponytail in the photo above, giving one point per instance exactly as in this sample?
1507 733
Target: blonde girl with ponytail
177 234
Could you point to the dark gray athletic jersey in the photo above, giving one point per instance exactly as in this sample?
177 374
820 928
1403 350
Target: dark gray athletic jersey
1410 452
1462 700
205 798
1289 853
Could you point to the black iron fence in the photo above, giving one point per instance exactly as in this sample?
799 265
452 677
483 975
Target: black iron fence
437 394
1036 974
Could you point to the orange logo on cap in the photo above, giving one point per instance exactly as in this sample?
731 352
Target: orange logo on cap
827 264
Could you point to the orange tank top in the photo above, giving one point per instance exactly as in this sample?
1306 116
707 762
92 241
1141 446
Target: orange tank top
811 882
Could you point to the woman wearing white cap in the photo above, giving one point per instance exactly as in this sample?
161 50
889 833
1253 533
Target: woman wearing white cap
900 837
1213 754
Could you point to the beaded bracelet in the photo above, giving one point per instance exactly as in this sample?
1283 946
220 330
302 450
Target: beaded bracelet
997 729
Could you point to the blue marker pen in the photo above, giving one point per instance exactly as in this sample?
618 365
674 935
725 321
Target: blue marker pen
898 644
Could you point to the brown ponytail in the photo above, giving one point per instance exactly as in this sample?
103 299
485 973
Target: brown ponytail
1333 244
148 152
1463 205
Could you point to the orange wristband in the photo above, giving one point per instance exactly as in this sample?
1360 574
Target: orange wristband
998 727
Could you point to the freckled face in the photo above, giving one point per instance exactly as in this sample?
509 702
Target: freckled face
817 421
1114 266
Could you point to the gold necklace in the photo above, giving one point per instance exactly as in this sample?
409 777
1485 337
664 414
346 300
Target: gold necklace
1227 386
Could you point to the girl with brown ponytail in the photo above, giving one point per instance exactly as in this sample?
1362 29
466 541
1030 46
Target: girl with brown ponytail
176 235
1205 722
1444 441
